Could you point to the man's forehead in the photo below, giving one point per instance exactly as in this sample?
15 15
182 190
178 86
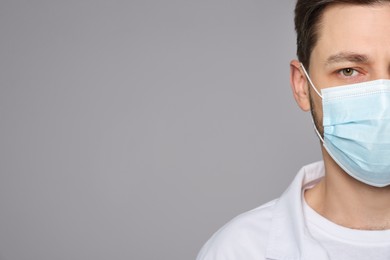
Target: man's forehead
347 31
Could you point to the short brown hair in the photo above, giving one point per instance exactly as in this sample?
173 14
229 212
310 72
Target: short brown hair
307 18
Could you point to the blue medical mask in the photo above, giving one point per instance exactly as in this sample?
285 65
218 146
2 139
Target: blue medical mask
356 120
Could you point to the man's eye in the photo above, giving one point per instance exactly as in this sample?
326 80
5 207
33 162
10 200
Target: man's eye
348 72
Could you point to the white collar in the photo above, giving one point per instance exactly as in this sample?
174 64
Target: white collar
289 238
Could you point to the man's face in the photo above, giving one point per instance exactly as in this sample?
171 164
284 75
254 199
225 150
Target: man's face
353 46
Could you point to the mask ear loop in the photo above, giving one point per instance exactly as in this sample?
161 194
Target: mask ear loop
318 133
319 94
311 83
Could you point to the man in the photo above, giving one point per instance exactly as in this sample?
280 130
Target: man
338 208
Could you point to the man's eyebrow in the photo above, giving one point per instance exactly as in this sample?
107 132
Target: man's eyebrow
347 56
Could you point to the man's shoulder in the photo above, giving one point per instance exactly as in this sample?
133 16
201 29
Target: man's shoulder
244 237
275 227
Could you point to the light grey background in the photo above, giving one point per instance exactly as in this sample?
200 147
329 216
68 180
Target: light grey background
135 129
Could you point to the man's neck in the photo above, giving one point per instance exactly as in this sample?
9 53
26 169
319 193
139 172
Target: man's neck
348 202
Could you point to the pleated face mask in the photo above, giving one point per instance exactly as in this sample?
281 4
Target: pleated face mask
356 120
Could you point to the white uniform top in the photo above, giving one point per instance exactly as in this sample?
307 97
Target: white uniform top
277 230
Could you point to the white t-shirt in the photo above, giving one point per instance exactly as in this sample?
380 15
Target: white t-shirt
343 243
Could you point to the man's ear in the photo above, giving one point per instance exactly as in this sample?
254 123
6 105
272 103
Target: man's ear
299 85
